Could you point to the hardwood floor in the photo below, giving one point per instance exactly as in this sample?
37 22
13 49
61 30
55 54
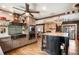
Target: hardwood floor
73 47
32 49
35 49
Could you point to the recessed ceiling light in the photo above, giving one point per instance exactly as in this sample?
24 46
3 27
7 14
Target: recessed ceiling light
44 8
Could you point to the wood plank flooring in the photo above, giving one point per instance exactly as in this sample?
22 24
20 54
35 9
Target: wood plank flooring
35 49
72 47
32 49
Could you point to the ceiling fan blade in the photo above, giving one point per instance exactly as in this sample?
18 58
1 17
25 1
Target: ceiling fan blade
22 7
34 11
22 14
30 10
18 8
31 15
77 5
27 7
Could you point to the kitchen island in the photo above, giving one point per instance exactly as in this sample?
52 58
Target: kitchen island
51 42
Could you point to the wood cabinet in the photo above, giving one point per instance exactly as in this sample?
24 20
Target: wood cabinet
6 44
15 43
19 42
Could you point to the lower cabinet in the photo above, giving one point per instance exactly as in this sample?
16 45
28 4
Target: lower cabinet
15 43
23 41
53 45
31 41
6 44
19 42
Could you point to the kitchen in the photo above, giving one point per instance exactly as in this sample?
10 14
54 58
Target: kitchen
23 34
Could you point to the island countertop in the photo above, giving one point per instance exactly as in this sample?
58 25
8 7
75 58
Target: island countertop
4 36
52 42
56 34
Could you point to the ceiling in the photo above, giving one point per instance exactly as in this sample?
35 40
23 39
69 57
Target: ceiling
46 9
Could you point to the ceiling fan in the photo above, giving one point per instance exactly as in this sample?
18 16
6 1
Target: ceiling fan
77 5
27 10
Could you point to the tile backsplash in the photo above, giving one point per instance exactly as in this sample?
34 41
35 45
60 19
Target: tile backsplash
14 29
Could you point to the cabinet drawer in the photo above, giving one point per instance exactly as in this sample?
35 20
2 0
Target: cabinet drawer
19 42
15 43
6 46
23 42
5 39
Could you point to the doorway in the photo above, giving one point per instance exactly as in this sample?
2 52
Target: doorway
71 29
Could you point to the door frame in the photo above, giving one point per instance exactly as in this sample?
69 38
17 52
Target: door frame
71 25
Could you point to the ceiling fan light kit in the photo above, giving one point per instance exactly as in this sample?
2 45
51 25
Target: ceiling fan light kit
27 14
27 11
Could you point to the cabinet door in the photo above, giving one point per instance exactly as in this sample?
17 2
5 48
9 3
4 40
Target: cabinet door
22 41
15 43
5 39
19 42
6 45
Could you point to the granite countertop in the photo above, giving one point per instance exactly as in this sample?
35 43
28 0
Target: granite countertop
1 52
56 34
15 36
4 36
